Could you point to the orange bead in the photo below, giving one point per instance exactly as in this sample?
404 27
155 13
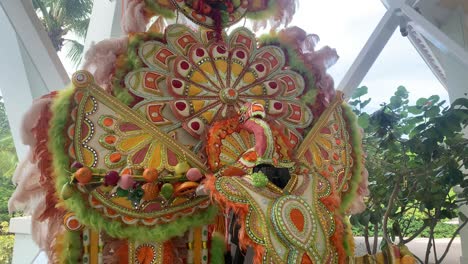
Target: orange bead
150 175
151 191
83 175
115 157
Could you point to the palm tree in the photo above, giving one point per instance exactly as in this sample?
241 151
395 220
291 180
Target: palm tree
61 17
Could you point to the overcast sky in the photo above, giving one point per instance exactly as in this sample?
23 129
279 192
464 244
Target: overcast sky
346 26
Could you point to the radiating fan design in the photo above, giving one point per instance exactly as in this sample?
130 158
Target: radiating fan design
191 80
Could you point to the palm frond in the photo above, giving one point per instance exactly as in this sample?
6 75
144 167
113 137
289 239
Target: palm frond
75 51
80 27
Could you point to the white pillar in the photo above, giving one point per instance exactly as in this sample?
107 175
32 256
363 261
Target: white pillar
25 250
30 66
105 21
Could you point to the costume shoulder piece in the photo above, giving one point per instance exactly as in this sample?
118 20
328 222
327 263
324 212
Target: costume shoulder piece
196 145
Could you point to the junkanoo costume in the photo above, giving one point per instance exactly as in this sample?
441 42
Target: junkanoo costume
196 146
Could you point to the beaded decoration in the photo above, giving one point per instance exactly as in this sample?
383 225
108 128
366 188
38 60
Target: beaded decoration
202 136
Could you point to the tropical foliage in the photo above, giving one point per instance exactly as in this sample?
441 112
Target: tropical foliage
6 244
66 22
8 162
416 154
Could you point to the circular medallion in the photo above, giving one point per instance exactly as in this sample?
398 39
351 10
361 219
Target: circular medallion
228 96
71 222
82 79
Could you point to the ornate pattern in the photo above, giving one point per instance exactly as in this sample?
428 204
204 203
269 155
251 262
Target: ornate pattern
145 253
201 81
212 14
125 141
327 148
289 227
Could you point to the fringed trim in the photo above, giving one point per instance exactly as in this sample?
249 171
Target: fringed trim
217 249
348 237
101 59
277 12
240 210
332 203
338 239
92 218
71 248
299 48
357 155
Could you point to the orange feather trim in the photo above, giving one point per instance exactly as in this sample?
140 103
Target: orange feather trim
241 211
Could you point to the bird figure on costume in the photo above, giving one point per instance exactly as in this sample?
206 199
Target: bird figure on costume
187 143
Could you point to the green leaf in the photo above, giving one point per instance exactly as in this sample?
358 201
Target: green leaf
434 98
365 103
421 102
395 102
359 92
415 110
433 111
364 120
402 92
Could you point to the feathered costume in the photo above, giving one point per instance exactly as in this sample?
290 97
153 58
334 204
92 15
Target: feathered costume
195 145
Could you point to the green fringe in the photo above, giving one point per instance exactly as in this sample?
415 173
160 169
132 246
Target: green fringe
296 64
348 234
159 9
217 249
92 218
356 144
72 247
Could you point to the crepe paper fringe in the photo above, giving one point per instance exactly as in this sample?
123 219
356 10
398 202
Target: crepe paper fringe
332 203
348 237
35 191
71 248
240 210
217 249
101 58
92 218
277 12
134 18
296 64
357 155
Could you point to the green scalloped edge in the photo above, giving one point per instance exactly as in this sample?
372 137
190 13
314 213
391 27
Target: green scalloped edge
356 145
92 218
131 62
159 9
296 64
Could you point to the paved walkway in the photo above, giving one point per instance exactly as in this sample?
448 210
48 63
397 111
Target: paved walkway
418 247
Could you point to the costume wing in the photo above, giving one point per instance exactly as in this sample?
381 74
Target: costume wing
108 134
329 149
